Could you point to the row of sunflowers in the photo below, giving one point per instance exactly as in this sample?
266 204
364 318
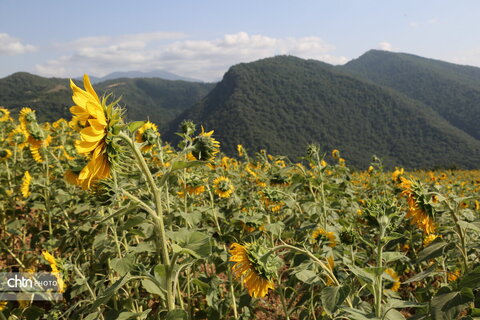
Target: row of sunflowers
134 228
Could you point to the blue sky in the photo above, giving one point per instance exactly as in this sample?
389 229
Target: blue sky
201 39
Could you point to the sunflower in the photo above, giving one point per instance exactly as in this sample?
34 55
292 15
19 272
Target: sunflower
419 211
272 198
240 150
396 279
398 172
96 121
257 273
3 305
5 154
335 154
205 147
148 135
71 177
54 265
223 187
429 239
26 180
18 137
321 235
4 114
36 145
26 117
452 276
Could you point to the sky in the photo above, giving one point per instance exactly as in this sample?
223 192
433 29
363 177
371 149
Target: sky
202 39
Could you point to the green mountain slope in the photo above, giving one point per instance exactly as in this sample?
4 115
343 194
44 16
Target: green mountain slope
155 99
283 103
451 90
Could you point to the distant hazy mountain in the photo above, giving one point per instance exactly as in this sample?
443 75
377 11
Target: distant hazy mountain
147 98
139 74
284 103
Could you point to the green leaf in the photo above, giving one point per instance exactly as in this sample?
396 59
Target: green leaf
446 305
469 225
333 297
307 276
132 222
471 280
177 165
422 275
436 249
275 228
390 256
152 287
109 292
123 265
355 314
134 126
177 314
190 242
393 314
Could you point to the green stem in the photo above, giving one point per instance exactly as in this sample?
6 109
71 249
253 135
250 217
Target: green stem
461 235
158 217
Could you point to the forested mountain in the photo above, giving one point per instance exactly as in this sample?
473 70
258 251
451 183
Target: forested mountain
451 90
283 103
156 99
411 111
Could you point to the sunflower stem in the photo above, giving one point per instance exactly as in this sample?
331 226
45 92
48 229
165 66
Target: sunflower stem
158 217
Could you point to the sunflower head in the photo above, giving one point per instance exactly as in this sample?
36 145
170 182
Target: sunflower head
26 116
347 237
188 127
223 187
4 114
324 237
25 188
5 154
336 154
205 147
256 266
148 135
393 280
420 210
98 123
18 137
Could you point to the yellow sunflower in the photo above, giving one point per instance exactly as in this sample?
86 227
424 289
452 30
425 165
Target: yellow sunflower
26 117
3 305
36 146
240 150
18 137
396 279
321 235
452 276
71 177
96 127
147 134
398 172
335 154
205 147
429 239
4 114
223 187
26 180
417 206
257 275
5 154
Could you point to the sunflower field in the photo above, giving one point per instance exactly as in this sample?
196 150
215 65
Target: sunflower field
134 228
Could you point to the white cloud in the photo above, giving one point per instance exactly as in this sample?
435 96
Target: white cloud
12 46
202 59
413 24
387 46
